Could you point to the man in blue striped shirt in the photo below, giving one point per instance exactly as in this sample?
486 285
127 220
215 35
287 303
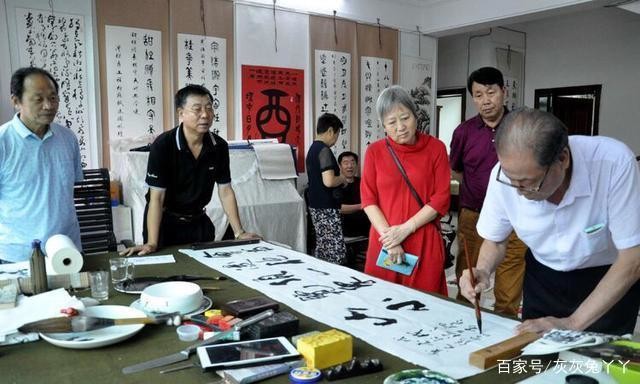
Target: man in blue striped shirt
39 163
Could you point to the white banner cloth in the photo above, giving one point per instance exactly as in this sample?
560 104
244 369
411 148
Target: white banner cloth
417 327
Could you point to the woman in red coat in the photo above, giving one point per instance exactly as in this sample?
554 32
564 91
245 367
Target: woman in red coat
399 223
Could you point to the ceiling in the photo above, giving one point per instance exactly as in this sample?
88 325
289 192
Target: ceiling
484 18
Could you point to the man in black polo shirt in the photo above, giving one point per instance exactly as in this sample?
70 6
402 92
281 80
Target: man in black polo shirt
184 163
354 221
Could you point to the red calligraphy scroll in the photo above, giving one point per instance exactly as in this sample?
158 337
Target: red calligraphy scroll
273 106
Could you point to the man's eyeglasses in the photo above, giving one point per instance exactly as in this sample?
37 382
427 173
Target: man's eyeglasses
501 178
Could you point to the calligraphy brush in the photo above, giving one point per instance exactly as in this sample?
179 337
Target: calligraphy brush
86 323
473 284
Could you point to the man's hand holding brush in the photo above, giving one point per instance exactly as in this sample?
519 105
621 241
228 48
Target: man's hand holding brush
472 292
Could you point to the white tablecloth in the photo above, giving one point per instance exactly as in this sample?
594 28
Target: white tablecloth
271 208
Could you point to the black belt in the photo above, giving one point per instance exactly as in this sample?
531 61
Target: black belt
187 218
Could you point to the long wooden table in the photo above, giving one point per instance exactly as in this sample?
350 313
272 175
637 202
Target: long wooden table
40 362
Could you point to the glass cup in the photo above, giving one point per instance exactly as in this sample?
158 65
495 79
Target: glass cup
121 269
99 285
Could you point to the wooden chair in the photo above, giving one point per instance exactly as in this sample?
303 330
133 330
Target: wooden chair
356 251
92 199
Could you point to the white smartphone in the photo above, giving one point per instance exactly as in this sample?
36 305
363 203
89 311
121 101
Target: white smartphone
246 353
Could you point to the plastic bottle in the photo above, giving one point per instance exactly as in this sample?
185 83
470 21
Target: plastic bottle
38 269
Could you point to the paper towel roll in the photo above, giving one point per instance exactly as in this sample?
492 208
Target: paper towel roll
62 256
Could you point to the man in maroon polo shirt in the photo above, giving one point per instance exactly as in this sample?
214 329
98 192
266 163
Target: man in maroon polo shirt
472 157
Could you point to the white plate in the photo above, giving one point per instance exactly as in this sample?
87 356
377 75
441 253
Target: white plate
99 337
205 304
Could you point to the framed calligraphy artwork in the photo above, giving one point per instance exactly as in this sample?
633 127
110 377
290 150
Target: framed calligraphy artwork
333 92
56 42
273 106
202 60
417 76
511 64
376 74
134 81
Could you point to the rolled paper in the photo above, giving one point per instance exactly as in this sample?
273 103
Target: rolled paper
62 256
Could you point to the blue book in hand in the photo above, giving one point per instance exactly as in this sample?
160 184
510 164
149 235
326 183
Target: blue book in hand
406 268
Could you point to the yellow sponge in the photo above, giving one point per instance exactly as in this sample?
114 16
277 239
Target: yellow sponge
326 349
212 312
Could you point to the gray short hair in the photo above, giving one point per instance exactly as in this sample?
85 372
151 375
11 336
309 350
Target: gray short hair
530 129
392 96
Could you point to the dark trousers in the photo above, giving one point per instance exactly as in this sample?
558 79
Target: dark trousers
548 292
176 230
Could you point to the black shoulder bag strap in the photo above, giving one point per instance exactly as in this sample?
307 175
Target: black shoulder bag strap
404 174
414 192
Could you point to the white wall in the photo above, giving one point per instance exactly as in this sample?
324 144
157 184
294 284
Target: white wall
449 15
433 16
453 66
592 47
452 63
397 14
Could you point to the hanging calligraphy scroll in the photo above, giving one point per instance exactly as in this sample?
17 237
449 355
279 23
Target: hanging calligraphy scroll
134 81
417 75
420 328
511 92
202 60
511 64
376 74
273 106
333 92
56 42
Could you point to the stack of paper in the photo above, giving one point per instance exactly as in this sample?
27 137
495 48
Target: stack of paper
34 308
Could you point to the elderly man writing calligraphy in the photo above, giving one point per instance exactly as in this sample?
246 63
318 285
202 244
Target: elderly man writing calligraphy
574 202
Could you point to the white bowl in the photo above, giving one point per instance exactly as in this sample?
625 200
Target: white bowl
171 296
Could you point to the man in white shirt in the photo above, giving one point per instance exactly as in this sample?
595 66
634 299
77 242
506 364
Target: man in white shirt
574 202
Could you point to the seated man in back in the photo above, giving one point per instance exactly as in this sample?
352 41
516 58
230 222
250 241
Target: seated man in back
354 221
